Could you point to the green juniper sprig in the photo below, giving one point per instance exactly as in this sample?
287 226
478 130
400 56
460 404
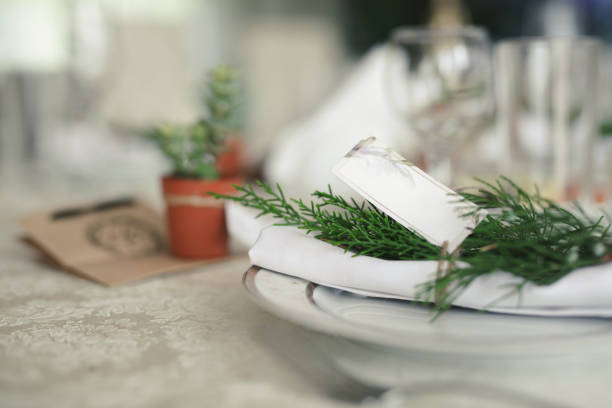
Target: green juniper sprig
525 235
358 228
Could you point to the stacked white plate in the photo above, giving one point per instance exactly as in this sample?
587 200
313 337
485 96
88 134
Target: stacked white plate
409 325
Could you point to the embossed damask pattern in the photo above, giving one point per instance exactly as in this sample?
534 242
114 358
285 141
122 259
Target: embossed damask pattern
181 340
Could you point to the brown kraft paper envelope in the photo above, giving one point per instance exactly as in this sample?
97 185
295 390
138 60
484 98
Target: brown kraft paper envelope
112 242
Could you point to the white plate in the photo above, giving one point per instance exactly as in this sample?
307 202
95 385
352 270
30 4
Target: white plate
409 326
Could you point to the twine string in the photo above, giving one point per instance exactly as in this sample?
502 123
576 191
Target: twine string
445 267
193 201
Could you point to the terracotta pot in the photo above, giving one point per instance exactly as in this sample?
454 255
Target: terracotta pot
196 221
229 163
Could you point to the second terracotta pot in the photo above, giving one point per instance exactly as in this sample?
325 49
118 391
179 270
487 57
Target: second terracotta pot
229 162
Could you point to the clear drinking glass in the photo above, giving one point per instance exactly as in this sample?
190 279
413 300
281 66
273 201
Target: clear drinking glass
439 80
546 92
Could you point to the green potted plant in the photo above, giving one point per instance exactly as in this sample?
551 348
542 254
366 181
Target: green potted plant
196 221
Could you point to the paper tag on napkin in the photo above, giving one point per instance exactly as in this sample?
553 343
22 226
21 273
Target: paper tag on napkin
407 194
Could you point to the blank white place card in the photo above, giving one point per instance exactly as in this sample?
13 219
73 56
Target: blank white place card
407 194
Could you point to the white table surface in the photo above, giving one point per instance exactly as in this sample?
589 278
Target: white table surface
190 339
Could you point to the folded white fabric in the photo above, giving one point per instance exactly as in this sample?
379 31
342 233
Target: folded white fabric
584 292
243 224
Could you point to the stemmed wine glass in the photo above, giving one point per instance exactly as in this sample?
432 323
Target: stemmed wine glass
439 81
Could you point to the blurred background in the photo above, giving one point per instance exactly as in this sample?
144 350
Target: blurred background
81 80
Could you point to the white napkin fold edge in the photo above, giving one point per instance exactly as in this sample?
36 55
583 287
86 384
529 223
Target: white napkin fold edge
481 294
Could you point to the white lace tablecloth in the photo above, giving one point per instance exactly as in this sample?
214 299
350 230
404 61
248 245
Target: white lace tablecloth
194 339
182 340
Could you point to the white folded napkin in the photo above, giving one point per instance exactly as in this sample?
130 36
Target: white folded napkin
584 292
243 224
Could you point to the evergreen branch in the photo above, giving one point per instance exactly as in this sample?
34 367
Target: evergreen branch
525 235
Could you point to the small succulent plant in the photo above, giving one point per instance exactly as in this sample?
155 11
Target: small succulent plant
193 149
